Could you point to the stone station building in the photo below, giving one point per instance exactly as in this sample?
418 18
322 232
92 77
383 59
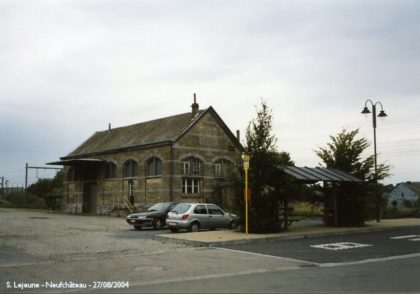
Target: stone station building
178 158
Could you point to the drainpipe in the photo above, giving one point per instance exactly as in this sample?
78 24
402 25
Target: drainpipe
171 180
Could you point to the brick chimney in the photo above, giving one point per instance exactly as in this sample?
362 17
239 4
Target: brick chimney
195 107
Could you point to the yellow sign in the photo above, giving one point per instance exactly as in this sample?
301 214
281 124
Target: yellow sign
245 159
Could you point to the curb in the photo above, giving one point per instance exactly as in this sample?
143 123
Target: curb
195 243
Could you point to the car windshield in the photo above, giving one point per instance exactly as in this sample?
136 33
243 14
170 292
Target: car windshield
159 206
181 208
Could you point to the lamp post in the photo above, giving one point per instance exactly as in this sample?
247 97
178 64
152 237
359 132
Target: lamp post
382 114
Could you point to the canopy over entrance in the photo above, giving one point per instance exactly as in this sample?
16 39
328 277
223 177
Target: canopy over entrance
78 161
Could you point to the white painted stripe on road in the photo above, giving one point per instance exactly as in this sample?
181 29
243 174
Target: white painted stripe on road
404 237
416 239
382 259
271 256
197 278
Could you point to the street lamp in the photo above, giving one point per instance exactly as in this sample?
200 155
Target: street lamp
381 114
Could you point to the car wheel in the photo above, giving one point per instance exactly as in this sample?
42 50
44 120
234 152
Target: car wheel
138 228
157 224
233 225
174 230
195 227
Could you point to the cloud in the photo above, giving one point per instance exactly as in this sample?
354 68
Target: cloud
70 67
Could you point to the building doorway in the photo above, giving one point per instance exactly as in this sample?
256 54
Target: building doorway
90 191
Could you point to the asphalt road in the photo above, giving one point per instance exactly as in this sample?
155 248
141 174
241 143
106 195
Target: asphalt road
346 248
393 276
385 261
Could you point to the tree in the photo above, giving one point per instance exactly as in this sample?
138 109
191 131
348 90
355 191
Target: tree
264 176
344 152
51 190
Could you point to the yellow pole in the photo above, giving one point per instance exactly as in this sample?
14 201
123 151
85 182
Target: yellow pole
245 159
246 203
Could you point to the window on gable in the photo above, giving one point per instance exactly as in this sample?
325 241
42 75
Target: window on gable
154 167
192 166
130 168
110 170
220 167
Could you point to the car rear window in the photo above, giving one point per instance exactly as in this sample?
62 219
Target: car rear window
181 208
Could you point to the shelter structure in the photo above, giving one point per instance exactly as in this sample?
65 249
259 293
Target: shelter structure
308 175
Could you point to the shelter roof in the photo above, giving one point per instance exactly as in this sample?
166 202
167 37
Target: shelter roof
310 175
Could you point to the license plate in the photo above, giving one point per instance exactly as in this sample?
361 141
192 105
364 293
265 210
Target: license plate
132 221
173 224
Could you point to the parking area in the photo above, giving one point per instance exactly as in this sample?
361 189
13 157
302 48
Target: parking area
54 252
44 249
32 236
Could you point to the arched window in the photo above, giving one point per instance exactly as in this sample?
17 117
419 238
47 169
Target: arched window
220 167
110 170
130 168
192 166
154 167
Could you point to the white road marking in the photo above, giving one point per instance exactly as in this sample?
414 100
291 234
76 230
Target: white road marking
404 237
415 239
268 255
372 260
340 246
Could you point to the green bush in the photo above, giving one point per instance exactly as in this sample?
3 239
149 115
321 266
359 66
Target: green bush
19 199
402 212
4 202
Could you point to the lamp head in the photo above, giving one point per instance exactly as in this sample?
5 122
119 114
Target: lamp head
382 114
365 110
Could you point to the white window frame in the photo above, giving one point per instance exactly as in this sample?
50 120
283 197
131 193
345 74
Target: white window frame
186 168
191 186
218 170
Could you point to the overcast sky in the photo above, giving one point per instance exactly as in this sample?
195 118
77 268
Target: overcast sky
68 68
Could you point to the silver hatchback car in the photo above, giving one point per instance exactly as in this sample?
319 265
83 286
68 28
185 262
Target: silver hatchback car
196 216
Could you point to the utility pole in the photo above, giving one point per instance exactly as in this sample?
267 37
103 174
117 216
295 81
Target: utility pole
2 186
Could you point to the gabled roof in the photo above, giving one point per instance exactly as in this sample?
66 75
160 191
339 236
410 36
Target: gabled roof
413 186
157 132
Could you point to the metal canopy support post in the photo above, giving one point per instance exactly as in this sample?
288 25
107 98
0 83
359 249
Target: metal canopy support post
335 208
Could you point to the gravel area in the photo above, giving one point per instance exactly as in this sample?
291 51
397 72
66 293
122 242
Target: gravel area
59 237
